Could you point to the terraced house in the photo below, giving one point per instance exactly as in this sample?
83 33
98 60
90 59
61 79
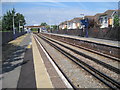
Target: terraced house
75 23
106 19
71 24
63 25
103 20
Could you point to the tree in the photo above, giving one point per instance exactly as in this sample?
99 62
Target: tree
116 21
65 28
55 27
7 20
91 23
43 24
19 19
48 28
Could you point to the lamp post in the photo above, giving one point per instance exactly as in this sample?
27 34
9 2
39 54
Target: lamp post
19 24
13 26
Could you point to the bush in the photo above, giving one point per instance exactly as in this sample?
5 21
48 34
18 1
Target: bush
116 21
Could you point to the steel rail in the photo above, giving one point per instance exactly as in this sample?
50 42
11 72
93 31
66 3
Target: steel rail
87 41
90 50
114 69
93 51
73 86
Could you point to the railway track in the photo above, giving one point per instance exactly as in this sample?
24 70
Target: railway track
90 50
68 82
112 68
96 73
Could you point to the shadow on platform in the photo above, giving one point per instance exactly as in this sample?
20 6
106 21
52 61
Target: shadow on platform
13 56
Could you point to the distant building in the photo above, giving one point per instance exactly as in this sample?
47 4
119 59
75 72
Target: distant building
75 23
63 25
102 20
71 24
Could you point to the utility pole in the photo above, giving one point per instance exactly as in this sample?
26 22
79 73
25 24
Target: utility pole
50 20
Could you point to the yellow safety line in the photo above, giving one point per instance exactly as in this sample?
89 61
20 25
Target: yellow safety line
41 75
29 46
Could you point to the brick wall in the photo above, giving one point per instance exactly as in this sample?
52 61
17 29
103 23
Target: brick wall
106 33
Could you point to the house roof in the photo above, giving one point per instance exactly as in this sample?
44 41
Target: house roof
90 17
72 20
109 13
65 22
96 17
75 19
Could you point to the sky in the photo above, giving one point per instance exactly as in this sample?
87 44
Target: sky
56 12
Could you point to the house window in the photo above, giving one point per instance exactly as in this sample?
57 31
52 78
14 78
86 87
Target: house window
101 20
105 19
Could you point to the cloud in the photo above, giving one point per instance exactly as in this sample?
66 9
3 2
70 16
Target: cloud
53 16
52 4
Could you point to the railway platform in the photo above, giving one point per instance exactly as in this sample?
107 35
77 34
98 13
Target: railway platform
47 76
32 69
32 65
95 40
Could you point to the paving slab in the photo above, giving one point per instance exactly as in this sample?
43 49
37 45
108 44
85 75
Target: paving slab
12 66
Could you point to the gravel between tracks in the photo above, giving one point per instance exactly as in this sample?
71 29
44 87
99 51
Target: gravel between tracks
92 63
96 56
77 75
